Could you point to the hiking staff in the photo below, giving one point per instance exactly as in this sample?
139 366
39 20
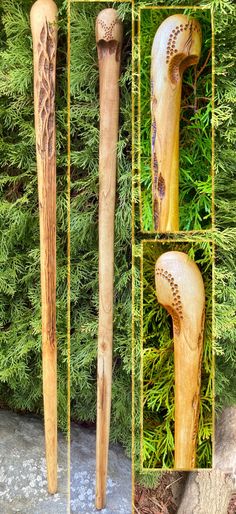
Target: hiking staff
109 33
180 289
176 46
43 18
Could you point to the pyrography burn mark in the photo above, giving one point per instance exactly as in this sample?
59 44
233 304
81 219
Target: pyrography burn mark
156 213
108 29
155 162
176 310
155 184
46 90
161 186
154 131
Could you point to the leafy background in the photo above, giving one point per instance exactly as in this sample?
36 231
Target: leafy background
20 339
195 186
158 363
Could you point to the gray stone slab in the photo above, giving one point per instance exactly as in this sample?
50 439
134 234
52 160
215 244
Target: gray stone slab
83 476
23 483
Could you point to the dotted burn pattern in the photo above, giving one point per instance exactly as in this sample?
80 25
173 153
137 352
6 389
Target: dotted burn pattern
177 304
171 45
176 308
108 29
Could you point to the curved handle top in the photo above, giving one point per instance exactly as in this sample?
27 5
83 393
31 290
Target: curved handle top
42 10
180 289
108 26
177 45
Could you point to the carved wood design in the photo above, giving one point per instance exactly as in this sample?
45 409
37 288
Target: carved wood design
108 29
176 46
175 309
180 290
43 19
46 90
108 34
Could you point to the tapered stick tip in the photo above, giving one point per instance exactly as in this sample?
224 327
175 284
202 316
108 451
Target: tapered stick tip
108 26
100 500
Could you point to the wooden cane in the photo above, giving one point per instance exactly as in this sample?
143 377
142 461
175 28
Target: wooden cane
44 31
177 45
180 289
109 40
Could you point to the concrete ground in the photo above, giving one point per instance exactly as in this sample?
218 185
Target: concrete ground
23 484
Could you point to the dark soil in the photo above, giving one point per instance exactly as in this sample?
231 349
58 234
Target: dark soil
159 500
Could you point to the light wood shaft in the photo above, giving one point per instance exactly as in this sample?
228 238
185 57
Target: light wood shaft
109 71
166 153
180 290
44 31
176 46
187 396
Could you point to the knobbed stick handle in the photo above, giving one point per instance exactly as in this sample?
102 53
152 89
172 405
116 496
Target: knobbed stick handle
180 289
43 18
109 40
177 45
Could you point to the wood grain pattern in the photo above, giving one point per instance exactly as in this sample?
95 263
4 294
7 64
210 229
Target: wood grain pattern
109 40
177 45
180 289
43 18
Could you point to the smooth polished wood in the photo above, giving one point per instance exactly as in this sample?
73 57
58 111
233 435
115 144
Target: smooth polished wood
180 289
43 19
176 46
109 33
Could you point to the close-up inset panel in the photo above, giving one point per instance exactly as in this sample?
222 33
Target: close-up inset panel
177 368
175 119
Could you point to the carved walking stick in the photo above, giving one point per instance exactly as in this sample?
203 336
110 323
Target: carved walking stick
180 290
44 30
177 45
109 39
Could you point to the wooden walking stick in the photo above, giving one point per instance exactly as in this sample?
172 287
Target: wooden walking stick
44 30
109 40
177 45
180 289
